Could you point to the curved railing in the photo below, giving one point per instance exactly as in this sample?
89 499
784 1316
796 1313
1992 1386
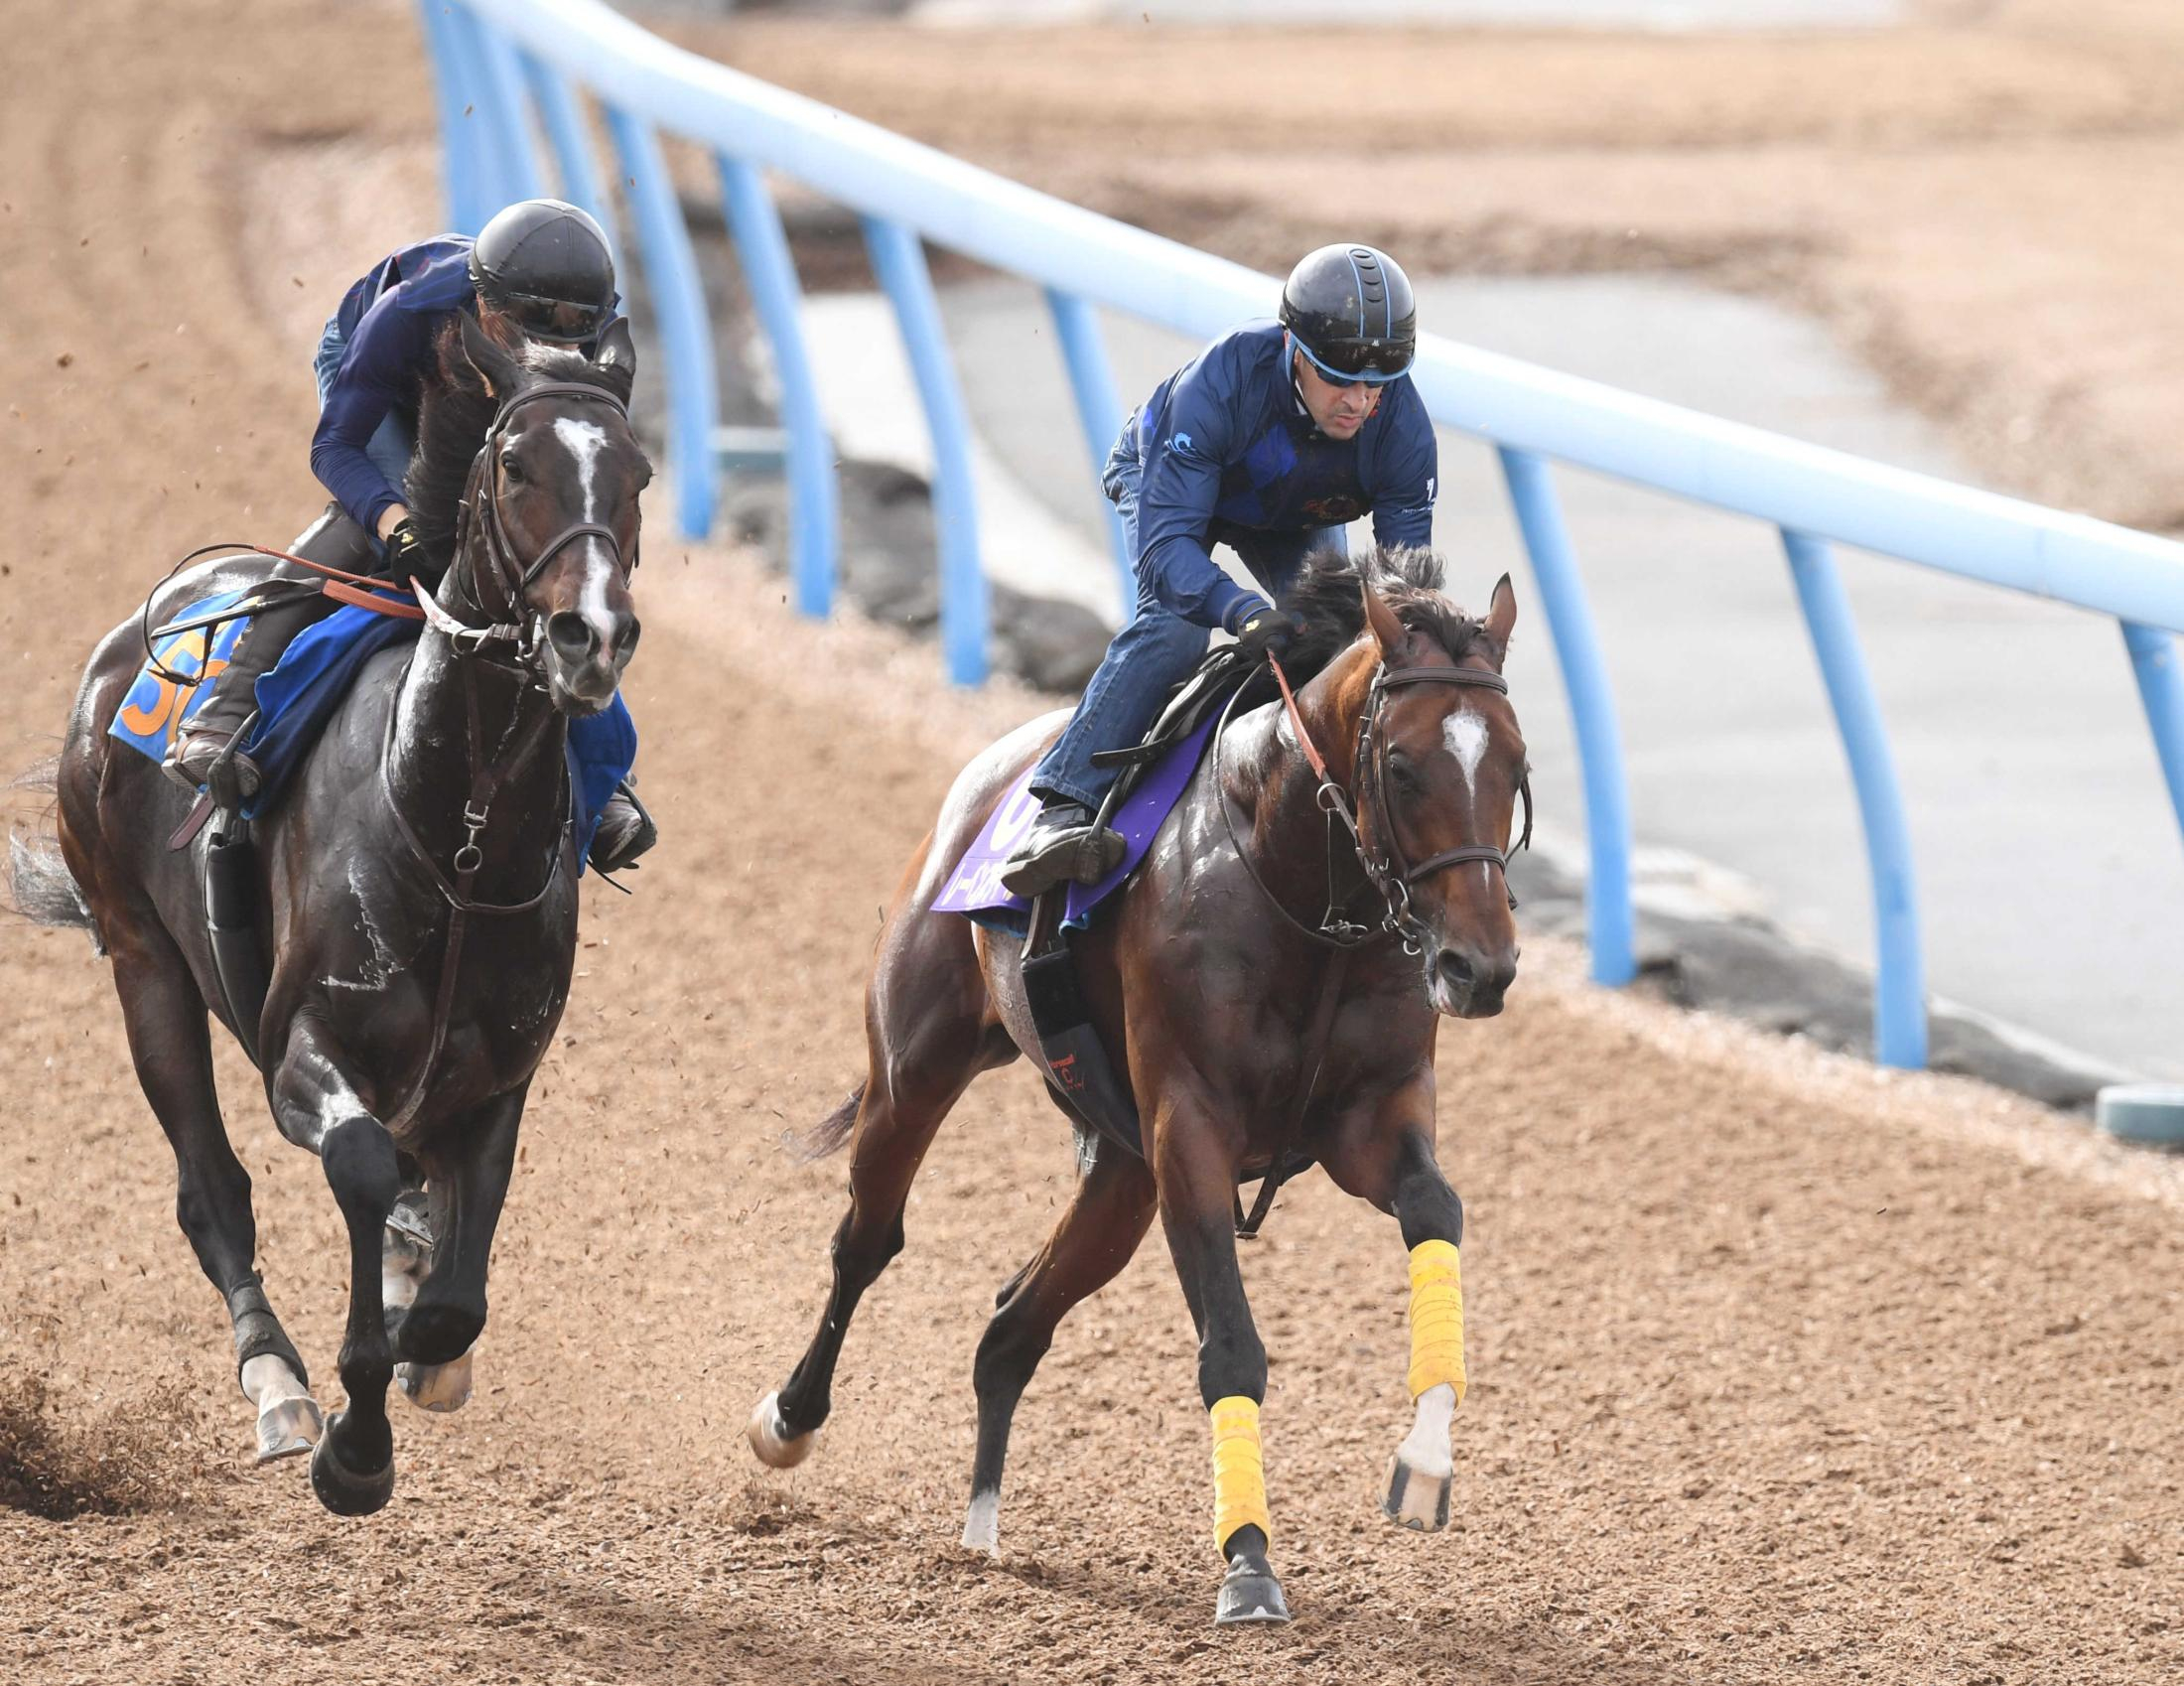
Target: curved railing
506 70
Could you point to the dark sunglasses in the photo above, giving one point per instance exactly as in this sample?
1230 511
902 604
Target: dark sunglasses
1373 362
554 320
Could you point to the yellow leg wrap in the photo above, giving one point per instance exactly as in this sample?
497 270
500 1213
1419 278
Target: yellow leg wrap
1239 1470
1436 1317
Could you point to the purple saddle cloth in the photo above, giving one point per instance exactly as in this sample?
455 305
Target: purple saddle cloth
974 887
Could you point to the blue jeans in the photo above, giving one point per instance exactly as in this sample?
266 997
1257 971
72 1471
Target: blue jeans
391 444
1157 651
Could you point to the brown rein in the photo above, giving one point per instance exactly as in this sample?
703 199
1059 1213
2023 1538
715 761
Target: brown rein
1386 870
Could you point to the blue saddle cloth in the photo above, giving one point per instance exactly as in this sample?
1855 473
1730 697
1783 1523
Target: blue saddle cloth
298 698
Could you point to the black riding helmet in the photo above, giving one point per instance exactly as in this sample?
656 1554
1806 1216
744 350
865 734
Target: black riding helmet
547 264
1350 311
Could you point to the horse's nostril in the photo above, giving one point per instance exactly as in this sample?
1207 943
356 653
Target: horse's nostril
572 638
1457 970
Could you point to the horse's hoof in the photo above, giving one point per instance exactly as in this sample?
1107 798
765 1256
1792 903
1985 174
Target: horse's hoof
436 1387
1249 1592
340 1489
1415 1499
776 1448
288 1428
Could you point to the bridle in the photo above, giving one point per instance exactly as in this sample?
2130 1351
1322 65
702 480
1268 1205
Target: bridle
1382 859
510 576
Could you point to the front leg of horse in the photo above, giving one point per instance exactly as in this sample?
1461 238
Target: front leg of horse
443 1272
1394 1167
352 1469
1196 1191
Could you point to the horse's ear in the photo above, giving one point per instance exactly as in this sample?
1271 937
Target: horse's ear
1387 630
616 356
1501 617
500 372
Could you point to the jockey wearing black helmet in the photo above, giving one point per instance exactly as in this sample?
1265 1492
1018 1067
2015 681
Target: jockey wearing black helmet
1275 438
540 269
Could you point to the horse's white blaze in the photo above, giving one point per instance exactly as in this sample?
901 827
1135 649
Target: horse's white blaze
1466 736
982 1525
1426 1448
586 440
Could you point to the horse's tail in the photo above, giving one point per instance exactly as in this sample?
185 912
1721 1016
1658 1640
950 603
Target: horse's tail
39 885
829 1135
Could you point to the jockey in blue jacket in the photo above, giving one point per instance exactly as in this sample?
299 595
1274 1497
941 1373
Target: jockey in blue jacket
1275 438
542 270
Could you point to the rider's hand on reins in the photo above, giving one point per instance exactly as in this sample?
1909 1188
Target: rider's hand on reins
1269 632
405 551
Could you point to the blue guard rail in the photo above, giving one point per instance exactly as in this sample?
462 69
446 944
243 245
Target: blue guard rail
507 76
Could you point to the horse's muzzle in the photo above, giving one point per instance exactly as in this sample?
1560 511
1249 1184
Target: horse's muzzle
585 666
1466 984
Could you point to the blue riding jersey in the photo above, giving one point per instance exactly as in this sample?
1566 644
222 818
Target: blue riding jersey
390 321
1227 445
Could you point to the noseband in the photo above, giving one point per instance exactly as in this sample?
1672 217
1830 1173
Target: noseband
1385 868
511 575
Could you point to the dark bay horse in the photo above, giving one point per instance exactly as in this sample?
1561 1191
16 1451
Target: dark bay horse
418 897
1244 1033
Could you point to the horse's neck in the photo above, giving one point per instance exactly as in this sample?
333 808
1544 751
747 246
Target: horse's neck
434 765
1272 781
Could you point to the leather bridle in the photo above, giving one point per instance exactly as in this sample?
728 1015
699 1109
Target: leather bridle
1380 859
510 575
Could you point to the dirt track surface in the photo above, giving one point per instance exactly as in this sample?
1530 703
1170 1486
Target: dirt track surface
1784 1370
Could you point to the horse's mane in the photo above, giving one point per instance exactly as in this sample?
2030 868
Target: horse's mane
1326 593
451 421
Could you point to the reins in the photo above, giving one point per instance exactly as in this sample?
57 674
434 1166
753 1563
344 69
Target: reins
1387 873
1386 870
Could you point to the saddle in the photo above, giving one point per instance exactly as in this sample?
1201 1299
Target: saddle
1080 1074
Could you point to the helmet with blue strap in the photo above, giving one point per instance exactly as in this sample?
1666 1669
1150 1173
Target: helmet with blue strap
1349 310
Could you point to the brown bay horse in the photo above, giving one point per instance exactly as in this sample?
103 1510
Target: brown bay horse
1246 1033
417 898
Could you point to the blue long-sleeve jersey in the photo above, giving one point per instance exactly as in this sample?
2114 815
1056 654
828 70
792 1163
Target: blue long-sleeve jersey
389 320
1226 444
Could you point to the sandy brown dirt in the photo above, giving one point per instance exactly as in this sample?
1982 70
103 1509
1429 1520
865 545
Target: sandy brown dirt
1983 205
1784 1369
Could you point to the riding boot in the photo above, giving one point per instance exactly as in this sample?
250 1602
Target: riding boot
1063 846
204 750
625 831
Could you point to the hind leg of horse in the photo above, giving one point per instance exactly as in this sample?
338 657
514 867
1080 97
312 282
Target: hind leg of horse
928 1036
1198 1181
316 1106
1385 1156
172 1048
1105 1222
444 1314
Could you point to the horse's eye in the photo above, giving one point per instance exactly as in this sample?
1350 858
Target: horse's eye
1403 772
510 469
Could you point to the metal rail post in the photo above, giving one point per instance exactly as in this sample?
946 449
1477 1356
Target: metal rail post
899 260
1093 384
462 169
1899 992
507 105
563 116
1609 921
814 520
2161 689
678 302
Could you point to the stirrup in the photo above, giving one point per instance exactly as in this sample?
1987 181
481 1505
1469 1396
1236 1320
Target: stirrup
232 776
